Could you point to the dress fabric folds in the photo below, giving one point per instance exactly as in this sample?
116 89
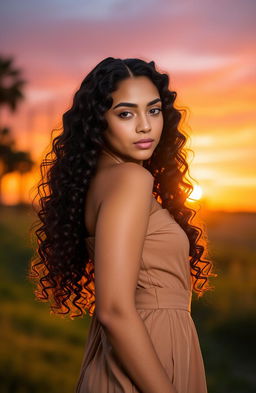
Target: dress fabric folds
163 301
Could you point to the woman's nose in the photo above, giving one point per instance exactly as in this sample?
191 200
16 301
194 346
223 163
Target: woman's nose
143 123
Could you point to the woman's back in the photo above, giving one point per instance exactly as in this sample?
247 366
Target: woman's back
104 180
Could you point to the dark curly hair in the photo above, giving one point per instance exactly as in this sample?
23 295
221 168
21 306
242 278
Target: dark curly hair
62 268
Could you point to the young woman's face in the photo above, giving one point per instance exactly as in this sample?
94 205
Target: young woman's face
135 114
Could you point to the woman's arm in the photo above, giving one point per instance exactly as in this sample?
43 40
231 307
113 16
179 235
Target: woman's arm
120 231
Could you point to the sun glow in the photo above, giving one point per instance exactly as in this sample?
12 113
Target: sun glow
196 194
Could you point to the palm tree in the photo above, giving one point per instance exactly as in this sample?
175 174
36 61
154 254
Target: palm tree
6 150
11 84
12 160
11 94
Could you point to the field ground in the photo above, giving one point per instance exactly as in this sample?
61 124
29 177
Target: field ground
40 352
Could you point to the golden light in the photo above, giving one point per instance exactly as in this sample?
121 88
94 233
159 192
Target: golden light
10 185
196 193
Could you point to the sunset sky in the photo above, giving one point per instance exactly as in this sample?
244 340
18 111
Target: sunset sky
208 49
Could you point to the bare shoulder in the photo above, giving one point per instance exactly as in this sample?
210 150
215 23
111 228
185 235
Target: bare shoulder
133 171
129 178
117 186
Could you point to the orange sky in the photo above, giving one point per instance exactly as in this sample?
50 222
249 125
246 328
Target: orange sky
207 49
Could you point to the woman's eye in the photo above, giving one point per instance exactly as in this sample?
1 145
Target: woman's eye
156 109
123 114
124 117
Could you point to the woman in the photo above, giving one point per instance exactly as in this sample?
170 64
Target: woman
114 237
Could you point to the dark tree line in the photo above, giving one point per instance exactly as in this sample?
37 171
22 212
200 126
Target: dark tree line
11 86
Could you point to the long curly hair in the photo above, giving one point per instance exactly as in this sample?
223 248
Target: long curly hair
61 267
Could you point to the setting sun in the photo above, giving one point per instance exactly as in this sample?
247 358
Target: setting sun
196 193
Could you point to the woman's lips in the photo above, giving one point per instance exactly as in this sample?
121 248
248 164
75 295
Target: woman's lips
143 145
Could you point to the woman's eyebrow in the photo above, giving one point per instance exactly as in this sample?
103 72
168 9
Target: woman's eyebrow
135 105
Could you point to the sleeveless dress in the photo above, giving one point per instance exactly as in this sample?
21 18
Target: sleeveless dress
163 301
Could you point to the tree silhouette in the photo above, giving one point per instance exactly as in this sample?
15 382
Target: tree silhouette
11 94
11 84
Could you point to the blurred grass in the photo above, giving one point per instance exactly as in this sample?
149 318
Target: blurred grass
41 352
226 316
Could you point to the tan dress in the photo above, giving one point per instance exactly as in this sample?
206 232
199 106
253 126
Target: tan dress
163 301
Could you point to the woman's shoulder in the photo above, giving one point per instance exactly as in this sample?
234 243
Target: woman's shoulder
128 176
132 170
110 178
114 182
128 182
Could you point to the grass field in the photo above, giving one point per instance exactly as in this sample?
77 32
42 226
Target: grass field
40 352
